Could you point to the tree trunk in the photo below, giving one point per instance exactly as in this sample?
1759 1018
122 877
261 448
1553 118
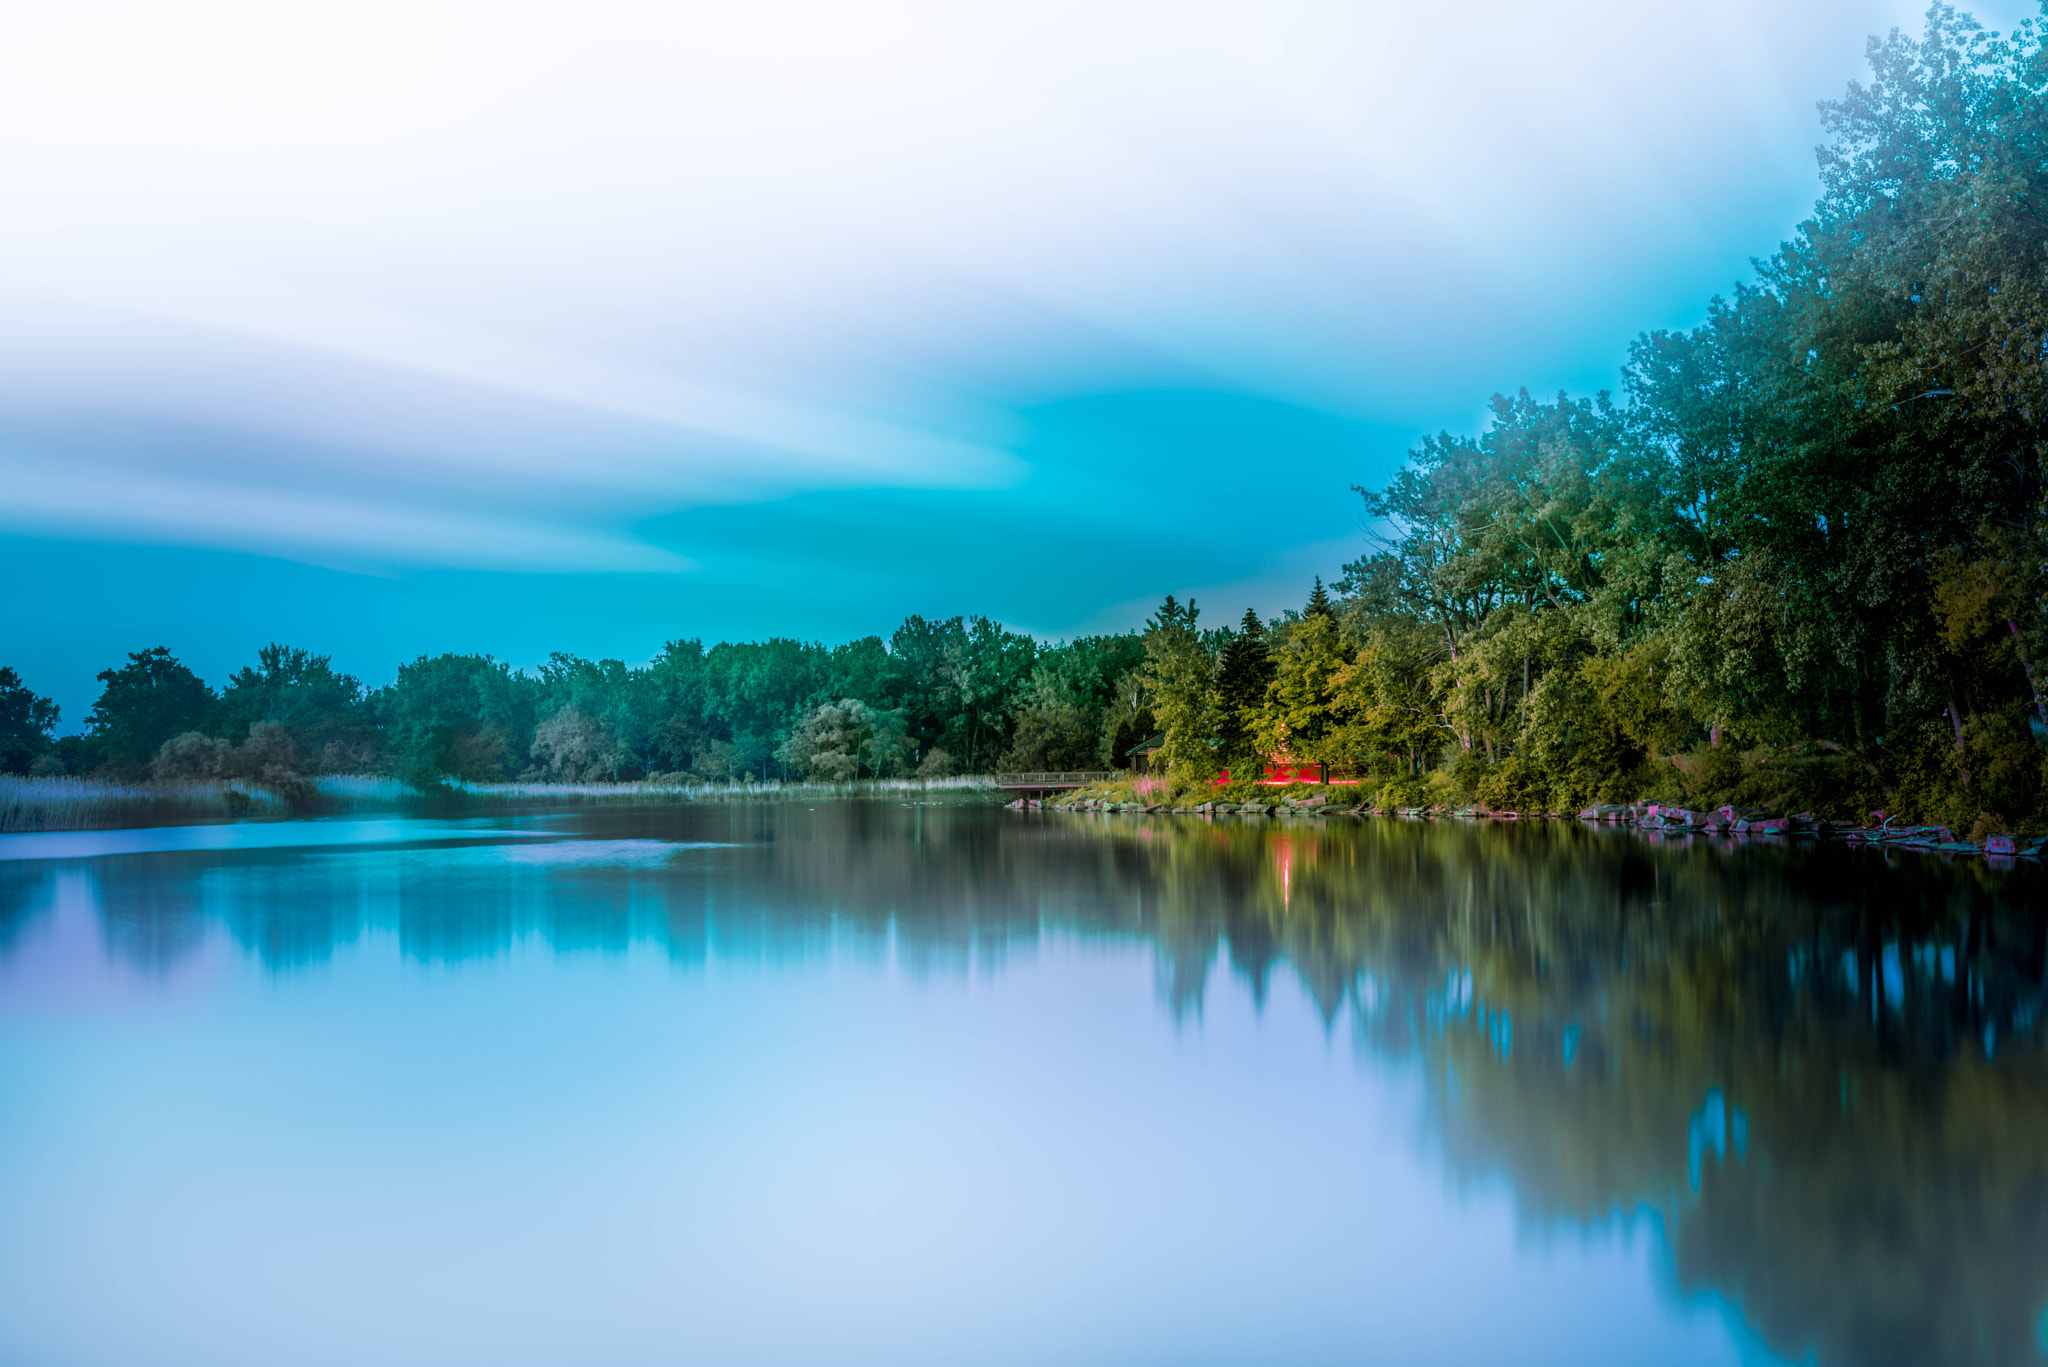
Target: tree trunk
2027 665
1955 717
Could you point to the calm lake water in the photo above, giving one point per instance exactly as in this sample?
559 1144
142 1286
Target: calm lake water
866 1082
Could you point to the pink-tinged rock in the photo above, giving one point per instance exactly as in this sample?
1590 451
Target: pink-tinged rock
2000 844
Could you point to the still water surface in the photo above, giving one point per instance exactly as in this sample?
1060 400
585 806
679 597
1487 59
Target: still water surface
874 1083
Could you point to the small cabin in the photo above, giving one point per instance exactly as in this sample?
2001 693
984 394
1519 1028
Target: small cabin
1140 755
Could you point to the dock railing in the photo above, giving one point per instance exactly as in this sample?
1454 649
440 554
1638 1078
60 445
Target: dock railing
1067 779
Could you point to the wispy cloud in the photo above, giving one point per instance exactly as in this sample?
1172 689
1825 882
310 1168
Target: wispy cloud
491 275
344 532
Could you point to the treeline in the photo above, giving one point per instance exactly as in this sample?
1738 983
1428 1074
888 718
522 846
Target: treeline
937 698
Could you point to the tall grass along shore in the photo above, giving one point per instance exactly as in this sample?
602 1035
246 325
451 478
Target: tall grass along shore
90 804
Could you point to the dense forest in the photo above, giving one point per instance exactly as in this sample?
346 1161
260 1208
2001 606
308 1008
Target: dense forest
1797 562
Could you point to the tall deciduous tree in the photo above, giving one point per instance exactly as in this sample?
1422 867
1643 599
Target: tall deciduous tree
1301 719
847 740
323 710
144 703
466 717
26 721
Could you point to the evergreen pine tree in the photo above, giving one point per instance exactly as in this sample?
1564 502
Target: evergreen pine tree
1318 602
1246 669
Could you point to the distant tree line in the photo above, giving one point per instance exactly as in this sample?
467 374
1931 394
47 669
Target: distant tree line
937 698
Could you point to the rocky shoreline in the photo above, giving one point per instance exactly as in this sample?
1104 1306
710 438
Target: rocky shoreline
1642 816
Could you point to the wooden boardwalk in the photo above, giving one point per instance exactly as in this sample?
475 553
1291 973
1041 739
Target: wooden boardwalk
1050 782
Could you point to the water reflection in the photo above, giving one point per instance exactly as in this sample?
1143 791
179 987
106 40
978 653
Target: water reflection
1821 1074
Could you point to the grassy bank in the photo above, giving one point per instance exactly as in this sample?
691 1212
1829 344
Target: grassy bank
85 804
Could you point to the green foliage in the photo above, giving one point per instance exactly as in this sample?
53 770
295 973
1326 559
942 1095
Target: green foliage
1180 674
26 721
144 703
1055 736
847 740
1303 718
1058 721
574 747
267 757
1126 731
605 720
457 717
956 693
1318 602
1243 673
1392 728
957 683
1802 565
324 712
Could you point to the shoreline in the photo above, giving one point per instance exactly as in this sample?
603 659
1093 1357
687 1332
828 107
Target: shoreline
1728 823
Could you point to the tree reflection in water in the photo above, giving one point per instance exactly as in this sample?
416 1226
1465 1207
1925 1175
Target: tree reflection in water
1820 1071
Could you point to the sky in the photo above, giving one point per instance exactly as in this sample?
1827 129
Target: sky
392 328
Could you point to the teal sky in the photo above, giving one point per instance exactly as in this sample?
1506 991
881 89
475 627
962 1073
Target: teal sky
395 328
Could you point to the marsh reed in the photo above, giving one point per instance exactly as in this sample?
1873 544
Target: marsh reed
90 804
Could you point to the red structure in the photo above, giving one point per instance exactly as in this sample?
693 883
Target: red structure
1281 772
1277 772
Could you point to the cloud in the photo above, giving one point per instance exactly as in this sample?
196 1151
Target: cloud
489 275
343 532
